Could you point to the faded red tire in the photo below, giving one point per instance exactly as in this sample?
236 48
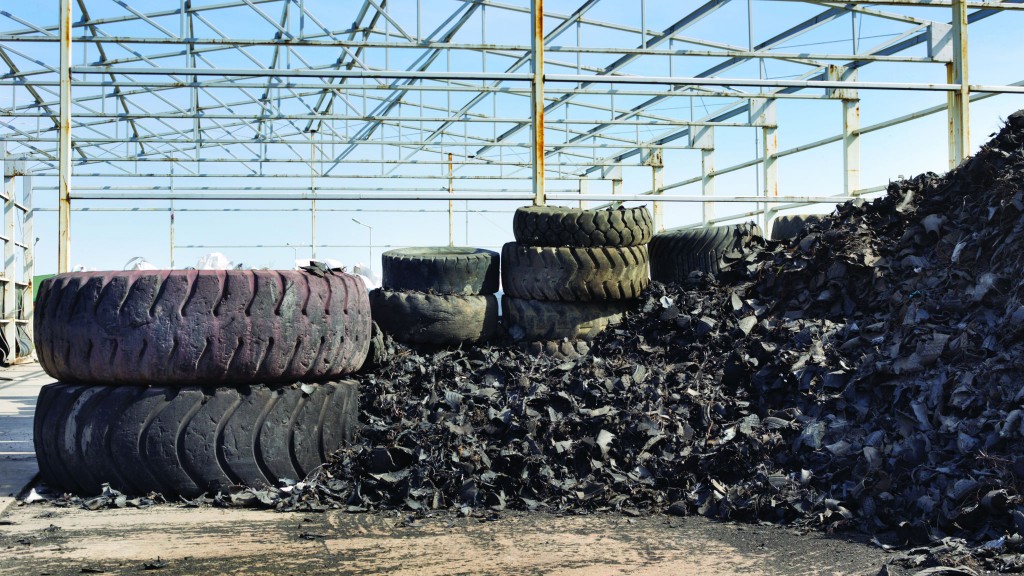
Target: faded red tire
201 327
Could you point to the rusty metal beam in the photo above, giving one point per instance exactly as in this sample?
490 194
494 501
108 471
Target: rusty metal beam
537 100
64 146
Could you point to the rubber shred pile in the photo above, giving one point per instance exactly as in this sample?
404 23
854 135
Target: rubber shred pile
868 375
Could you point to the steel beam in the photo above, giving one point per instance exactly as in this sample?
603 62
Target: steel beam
537 100
29 259
960 99
64 146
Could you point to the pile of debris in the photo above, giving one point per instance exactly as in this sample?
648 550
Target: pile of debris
867 375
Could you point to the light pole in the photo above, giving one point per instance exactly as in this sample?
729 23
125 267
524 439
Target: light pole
370 243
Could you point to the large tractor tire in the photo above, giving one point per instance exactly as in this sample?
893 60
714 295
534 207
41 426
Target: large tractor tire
787 227
188 441
539 320
573 274
201 327
435 319
558 226
442 270
678 252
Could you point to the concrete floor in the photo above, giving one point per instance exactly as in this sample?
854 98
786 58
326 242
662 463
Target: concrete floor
19 386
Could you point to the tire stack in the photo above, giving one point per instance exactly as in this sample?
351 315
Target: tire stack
185 382
571 273
437 296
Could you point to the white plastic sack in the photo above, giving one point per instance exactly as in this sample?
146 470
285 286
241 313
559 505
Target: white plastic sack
213 261
139 263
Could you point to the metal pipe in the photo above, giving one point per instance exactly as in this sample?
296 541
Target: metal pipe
537 100
959 100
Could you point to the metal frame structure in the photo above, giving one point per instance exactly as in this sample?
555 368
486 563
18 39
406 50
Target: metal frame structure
379 108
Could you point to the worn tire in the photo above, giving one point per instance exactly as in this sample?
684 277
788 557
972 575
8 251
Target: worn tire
188 441
558 226
437 319
787 227
443 270
557 349
573 274
678 252
537 320
201 327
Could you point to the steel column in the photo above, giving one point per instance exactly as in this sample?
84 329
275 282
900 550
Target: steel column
10 314
959 101
850 98
64 146
537 99
584 185
654 160
29 260
704 139
762 114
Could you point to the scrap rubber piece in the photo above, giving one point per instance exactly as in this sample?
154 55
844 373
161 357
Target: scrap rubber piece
786 227
539 320
186 441
573 274
558 226
201 327
442 269
558 349
437 319
676 253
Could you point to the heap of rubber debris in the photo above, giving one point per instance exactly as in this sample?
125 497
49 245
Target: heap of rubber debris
867 375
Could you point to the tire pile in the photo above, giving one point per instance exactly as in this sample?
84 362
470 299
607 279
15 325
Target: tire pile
184 382
570 274
437 296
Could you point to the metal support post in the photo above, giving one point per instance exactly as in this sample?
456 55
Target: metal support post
29 261
959 101
850 98
584 185
762 114
703 138
451 203
654 160
10 313
64 147
537 100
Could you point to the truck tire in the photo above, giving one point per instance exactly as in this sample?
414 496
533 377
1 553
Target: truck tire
538 320
443 270
678 252
787 227
558 226
437 319
557 349
187 441
201 327
573 274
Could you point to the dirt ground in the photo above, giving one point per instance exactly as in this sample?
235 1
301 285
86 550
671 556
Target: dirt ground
43 539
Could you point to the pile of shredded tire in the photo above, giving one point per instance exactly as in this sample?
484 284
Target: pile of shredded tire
866 376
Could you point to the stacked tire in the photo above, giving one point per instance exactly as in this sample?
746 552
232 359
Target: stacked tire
437 296
185 382
678 252
571 273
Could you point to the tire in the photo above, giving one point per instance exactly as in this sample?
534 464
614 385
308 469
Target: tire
557 349
573 274
678 252
558 226
787 227
438 319
537 320
443 270
188 441
201 327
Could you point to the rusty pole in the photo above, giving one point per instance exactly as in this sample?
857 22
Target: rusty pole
537 99
959 101
451 204
64 146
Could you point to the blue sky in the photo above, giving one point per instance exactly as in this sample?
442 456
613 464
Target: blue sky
106 240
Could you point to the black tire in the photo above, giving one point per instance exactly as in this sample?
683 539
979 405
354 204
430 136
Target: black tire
557 349
787 227
201 327
573 274
678 252
436 319
537 320
443 270
188 441
558 226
